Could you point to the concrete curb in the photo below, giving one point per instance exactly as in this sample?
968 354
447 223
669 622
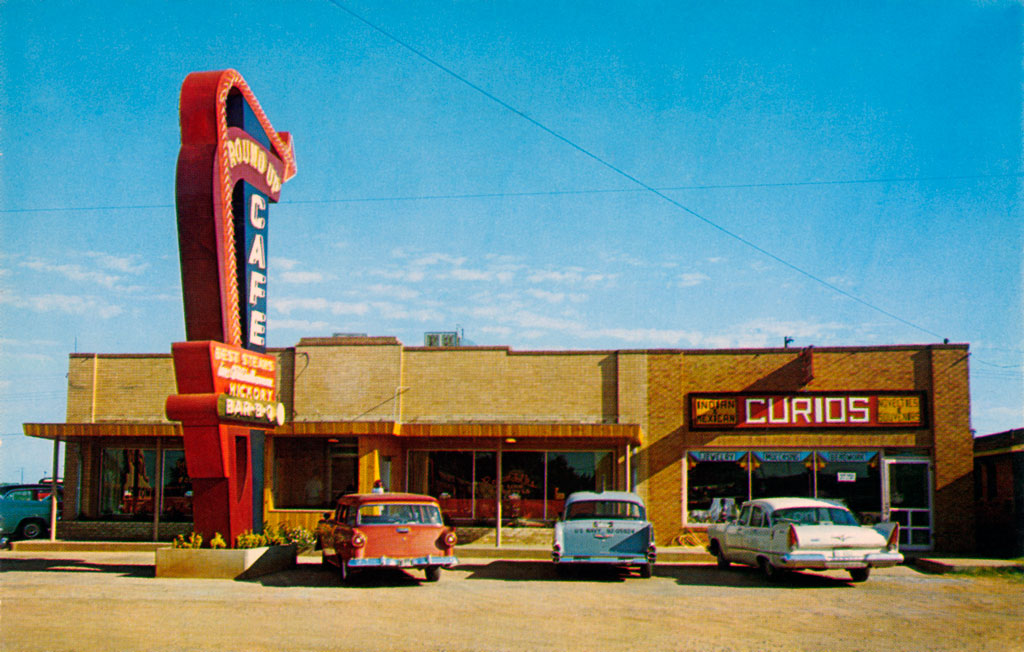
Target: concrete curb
466 551
945 565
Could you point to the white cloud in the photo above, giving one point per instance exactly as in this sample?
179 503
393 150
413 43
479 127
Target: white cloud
345 308
301 325
544 295
65 303
428 260
692 279
283 263
286 306
395 311
394 291
289 276
460 274
649 336
129 264
74 272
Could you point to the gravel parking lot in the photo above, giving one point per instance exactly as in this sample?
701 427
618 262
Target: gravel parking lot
112 601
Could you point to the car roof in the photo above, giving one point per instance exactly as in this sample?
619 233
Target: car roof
386 497
786 503
12 487
626 496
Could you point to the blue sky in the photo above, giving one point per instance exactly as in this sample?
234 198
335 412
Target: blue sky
873 147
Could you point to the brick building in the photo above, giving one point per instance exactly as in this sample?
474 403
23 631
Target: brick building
884 429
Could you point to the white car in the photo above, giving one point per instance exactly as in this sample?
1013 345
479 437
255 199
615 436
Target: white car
779 534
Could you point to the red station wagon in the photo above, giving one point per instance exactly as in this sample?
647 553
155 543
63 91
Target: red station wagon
387 529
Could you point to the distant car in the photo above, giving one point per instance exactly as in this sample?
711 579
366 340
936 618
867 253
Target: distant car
25 510
608 527
780 534
377 530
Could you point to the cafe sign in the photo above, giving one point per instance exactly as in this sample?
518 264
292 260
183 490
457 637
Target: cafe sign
742 411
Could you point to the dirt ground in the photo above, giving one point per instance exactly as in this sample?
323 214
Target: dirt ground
109 601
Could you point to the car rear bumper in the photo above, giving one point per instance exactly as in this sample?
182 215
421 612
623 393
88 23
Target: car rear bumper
403 562
603 559
822 561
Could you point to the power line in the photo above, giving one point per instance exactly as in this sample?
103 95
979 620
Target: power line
547 193
622 173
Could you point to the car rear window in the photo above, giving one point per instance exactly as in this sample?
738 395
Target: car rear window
621 509
815 516
383 514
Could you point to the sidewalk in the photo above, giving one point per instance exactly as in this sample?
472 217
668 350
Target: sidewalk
673 554
518 551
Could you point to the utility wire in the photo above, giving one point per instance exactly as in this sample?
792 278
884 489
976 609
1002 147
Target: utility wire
547 193
622 173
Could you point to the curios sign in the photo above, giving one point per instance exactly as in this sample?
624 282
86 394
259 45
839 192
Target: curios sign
729 411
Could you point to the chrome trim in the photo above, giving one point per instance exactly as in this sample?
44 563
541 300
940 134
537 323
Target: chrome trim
402 562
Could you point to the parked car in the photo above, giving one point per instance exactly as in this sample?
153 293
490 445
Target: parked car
387 529
780 534
608 527
25 510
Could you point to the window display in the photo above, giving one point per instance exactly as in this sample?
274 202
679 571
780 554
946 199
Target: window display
534 483
718 481
128 484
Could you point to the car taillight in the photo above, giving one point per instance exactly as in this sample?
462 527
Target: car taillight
894 538
357 540
791 538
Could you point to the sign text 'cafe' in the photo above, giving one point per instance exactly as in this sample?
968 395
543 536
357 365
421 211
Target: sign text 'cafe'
806 410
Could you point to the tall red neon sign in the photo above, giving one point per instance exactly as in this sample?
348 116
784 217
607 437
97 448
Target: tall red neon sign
231 166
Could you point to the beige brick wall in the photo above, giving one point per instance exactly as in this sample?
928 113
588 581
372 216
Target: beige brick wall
496 385
338 383
661 459
954 451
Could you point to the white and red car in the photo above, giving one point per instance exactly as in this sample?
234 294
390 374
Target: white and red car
780 534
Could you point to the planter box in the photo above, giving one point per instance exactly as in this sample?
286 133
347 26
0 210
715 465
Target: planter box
226 564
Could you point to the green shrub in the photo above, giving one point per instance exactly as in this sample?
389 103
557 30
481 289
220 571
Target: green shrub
217 542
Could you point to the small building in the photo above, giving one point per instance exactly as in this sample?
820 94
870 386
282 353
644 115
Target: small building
501 434
999 492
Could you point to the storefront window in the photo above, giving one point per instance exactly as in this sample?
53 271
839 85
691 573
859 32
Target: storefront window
569 472
717 485
464 482
781 473
447 476
522 485
128 483
854 478
177 488
313 473
484 484
717 481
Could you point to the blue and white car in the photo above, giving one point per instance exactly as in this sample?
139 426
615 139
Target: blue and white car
608 527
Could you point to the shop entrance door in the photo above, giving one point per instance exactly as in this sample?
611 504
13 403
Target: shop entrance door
907 499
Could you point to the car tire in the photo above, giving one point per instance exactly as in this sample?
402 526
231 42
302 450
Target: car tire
31 529
860 574
645 570
433 573
720 558
770 570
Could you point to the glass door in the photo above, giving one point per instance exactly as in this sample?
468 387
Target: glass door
907 500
